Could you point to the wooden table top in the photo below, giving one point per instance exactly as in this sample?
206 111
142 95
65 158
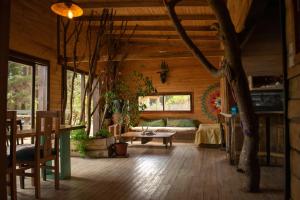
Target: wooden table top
62 128
158 134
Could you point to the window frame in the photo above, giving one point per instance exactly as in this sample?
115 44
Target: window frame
32 61
170 111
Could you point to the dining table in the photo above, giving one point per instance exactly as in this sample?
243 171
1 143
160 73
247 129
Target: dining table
64 146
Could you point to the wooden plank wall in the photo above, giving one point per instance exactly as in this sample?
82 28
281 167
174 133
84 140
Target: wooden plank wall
262 53
185 75
294 101
33 32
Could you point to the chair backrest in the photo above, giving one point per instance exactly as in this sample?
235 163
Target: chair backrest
11 123
115 130
47 131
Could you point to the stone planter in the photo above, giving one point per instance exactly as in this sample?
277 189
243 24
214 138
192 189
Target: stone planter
95 148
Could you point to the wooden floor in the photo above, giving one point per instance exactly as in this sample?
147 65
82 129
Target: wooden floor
153 172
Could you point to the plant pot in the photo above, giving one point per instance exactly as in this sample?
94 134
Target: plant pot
121 149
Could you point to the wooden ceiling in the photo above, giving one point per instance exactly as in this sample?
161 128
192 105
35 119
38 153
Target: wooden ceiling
154 28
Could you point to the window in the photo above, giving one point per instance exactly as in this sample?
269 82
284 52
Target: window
167 102
153 103
27 87
78 92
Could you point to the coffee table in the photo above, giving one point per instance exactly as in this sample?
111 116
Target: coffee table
167 136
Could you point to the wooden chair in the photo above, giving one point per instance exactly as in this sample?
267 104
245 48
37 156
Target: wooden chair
45 150
115 130
20 124
11 118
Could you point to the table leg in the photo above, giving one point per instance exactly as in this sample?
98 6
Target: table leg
171 142
65 155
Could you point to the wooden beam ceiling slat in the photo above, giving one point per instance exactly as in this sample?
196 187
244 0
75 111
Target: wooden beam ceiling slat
132 3
153 55
161 28
151 17
170 37
174 43
166 55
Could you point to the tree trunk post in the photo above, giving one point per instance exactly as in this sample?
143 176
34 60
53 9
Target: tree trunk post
233 70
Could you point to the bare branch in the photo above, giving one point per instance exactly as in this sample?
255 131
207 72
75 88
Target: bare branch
170 5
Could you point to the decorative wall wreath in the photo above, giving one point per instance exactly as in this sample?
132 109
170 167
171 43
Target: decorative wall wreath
211 102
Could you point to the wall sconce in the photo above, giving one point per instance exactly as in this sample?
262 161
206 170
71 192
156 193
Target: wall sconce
164 71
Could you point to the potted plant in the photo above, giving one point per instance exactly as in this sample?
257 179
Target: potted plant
129 110
79 140
116 110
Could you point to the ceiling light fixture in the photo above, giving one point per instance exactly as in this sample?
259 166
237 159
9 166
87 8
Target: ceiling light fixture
67 9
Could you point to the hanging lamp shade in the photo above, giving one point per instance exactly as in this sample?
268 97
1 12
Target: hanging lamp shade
67 9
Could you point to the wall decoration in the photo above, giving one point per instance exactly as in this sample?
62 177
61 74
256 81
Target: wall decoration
164 71
211 101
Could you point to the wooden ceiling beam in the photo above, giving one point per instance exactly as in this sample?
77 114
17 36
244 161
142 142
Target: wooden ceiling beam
150 17
154 55
166 55
162 28
175 43
132 3
170 37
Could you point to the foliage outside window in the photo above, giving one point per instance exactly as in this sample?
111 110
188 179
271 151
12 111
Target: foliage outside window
27 89
167 102
77 95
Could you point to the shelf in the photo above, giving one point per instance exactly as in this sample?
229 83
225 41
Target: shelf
267 89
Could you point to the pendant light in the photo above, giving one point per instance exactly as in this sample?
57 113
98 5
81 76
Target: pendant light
67 8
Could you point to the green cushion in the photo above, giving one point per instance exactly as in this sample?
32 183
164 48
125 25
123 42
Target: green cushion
152 123
180 123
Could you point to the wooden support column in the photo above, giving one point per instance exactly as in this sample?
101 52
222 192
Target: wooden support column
4 49
96 116
82 89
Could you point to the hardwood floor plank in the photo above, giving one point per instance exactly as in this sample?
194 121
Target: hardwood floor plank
184 172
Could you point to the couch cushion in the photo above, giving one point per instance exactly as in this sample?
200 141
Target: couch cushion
180 123
152 123
177 129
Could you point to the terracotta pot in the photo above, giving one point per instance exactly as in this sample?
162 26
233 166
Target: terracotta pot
121 149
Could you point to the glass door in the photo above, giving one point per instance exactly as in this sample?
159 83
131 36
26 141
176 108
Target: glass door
27 90
19 96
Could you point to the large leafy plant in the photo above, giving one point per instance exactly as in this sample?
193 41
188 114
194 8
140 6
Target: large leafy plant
128 90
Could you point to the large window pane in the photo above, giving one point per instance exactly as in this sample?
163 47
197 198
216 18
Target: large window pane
177 103
167 102
19 96
153 103
76 96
